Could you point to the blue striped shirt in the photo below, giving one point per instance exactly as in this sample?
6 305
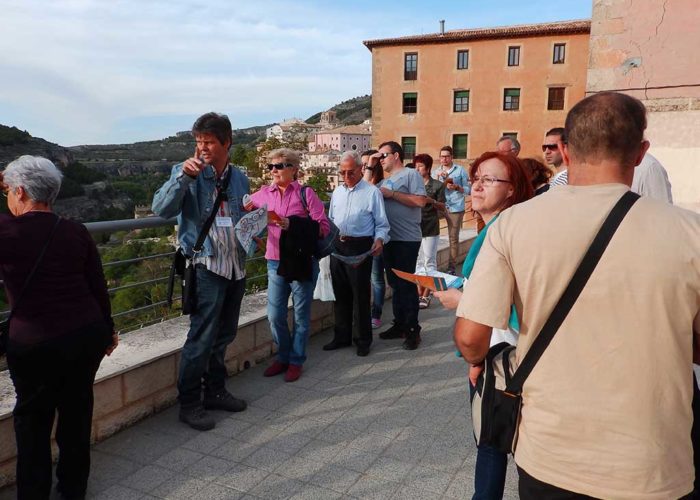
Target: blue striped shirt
224 262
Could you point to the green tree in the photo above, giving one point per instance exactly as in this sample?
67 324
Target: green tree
319 183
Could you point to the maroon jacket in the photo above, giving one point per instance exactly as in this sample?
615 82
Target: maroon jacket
68 291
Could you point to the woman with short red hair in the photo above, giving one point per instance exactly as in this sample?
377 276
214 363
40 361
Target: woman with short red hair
499 181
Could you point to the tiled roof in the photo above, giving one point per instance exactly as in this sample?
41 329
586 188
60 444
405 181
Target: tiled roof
348 129
516 31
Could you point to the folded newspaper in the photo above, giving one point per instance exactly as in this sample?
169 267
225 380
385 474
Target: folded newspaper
250 226
353 260
436 281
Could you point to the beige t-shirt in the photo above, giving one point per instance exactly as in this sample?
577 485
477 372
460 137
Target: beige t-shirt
607 409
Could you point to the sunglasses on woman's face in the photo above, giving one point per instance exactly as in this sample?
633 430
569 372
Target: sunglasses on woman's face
278 166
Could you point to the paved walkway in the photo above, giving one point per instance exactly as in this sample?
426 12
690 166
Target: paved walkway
392 425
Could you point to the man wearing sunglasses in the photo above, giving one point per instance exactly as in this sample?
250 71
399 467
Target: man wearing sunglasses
553 142
404 196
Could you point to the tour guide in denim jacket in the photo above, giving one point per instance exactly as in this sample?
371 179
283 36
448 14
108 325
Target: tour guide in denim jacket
190 194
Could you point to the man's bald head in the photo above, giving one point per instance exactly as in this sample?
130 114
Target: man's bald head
606 126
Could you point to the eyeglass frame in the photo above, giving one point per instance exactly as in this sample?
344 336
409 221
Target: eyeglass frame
551 147
488 180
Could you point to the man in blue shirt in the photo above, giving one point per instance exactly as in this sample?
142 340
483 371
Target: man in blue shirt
357 208
456 187
190 194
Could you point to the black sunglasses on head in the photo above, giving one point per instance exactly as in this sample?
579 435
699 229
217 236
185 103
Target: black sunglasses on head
279 166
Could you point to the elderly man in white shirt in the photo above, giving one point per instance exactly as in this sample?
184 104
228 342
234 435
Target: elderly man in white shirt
357 208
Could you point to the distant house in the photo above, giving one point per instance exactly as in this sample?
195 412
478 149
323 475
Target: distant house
349 138
321 162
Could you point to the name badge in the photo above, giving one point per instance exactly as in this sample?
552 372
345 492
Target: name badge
224 222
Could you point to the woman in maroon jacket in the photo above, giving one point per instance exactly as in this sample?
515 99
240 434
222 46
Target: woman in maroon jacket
59 331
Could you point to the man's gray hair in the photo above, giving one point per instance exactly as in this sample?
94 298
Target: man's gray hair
515 145
39 178
354 156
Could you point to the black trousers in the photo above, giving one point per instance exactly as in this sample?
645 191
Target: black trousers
530 488
56 376
351 286
402 255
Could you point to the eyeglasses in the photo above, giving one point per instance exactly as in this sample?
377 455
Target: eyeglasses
343 173
279 166
445 156
551 147
385 155
487 180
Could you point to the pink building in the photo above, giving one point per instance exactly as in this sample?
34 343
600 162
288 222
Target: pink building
349 138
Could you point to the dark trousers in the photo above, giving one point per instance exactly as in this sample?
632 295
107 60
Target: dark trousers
402 255
352 300
530 488
56 376
695 434
490 470
212 328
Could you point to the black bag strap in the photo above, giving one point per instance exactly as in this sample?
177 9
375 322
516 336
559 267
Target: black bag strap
29 279
221 193
302 193
572 292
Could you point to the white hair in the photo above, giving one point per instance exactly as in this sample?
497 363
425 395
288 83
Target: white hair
39 178
353 156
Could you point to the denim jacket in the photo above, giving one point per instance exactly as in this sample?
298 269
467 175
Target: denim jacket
192 200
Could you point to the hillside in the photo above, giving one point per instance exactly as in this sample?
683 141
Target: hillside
15 142
350 112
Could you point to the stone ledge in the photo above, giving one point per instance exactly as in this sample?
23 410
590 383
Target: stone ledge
139 379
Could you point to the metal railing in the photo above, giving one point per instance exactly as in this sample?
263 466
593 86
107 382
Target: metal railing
101 227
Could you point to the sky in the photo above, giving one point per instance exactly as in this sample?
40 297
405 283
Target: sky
104 72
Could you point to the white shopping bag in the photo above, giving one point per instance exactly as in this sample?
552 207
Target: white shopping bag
324 283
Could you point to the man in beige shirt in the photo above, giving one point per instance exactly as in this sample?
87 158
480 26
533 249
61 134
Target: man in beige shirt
607 409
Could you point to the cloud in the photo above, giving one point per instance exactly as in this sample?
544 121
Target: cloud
81 71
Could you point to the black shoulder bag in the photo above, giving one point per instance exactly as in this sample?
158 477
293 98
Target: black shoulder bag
497 401
5 324
183 265
325 246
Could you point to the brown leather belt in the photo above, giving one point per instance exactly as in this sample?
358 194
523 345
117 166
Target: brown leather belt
345 238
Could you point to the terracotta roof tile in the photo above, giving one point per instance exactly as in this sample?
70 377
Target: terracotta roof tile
516 31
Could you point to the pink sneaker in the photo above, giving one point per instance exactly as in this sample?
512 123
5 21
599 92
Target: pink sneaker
376 323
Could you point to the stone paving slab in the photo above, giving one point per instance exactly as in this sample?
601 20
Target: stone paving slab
392 425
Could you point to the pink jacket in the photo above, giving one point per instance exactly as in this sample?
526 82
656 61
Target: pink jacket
285 205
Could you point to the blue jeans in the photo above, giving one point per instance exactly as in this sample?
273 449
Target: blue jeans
378 286
490 470
291 344
402 255
212 328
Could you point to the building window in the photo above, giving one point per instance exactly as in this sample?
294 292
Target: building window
513 56
410 102
511 99
461 101
409 147
559 53
512 135
410 66
462 59
555 100
459 145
